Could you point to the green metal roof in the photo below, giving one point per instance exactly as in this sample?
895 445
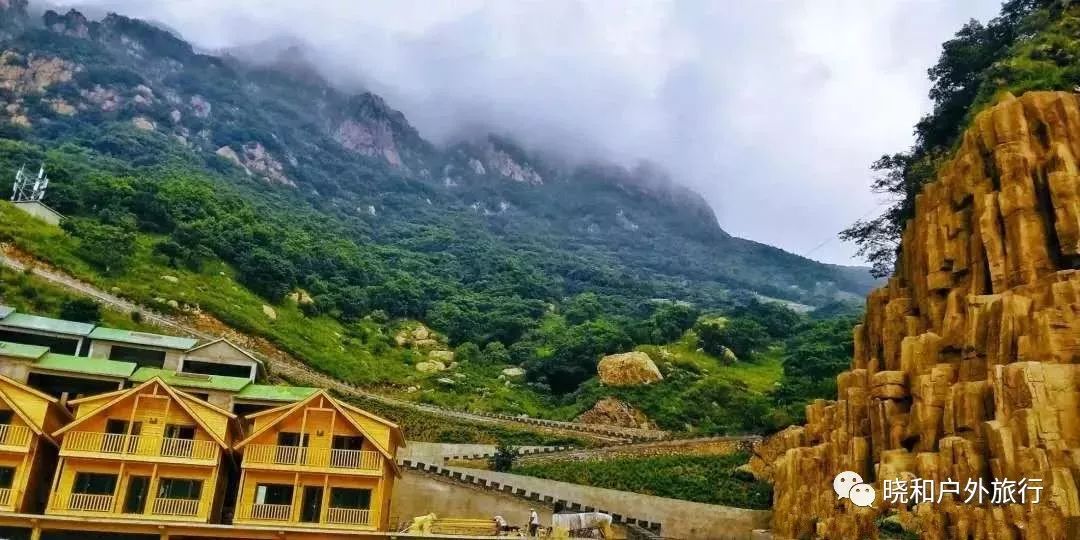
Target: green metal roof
190 380
18 350
266 392
5 311
143 338
45 324
85 366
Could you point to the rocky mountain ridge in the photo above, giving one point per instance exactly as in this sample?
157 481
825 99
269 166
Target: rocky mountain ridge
123 83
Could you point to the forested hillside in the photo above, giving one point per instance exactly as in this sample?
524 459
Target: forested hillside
323 220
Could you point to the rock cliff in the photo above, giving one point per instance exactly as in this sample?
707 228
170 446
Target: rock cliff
967 366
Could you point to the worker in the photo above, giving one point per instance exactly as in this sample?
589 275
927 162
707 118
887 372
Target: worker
500 525
534 523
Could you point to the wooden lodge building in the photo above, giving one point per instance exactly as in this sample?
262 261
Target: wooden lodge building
131 435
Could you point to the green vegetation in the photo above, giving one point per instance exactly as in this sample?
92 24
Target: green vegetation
706 479
1031 45
210 185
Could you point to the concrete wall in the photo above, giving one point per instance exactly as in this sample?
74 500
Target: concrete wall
680 519
40 211
417 494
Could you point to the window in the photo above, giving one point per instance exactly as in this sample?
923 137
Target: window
288 438
94 483
174 431
347 442
7 474
143 357
137 488
118 429
5 420
350 498
273 494
179 488
213 368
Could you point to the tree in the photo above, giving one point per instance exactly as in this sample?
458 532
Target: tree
962 78
81 310
495 353
267 273
503 459
467 352
668 322
108 247
742 336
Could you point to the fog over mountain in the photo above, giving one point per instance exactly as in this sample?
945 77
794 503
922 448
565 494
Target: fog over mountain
772 110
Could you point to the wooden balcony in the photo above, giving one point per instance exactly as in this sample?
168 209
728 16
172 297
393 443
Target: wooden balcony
85 502
363 461
111 445
14 438
271 512
348 516
176 507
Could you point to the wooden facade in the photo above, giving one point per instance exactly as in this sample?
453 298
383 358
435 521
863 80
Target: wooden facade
26 448
318 463
148 452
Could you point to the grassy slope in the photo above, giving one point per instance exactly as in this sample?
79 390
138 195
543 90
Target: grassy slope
707 479
344 351
31 294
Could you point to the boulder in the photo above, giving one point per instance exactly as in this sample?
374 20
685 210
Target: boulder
613 412
430 366
269 312
171 279
513 372
445 357
628 369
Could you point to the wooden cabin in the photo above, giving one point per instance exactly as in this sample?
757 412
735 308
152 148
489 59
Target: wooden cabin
317 463
150 452
27 450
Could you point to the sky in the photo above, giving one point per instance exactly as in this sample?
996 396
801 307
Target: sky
772 110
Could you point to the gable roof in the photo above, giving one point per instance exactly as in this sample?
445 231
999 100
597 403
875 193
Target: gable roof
30 422
142 338
180 399
23 321
229 343
288 410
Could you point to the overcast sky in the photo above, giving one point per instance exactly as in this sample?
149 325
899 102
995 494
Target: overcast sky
772 110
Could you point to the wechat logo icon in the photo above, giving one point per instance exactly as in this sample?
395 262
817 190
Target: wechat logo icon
850 485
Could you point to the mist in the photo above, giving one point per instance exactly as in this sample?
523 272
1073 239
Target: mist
773 111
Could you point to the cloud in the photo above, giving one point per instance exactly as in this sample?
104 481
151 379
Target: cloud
772 110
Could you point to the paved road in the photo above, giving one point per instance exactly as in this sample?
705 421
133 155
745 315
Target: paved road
281 363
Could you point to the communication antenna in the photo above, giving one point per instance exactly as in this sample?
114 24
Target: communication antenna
29 188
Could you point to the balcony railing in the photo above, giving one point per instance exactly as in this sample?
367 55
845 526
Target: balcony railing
274 512
348 516
176 507
5 497
313 457
90 503
139 445
14 435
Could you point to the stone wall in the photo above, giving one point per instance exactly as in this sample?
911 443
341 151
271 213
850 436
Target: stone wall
966 367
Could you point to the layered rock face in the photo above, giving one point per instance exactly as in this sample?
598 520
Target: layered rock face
967 367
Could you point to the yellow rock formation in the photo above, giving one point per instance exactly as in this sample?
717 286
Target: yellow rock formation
967 366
